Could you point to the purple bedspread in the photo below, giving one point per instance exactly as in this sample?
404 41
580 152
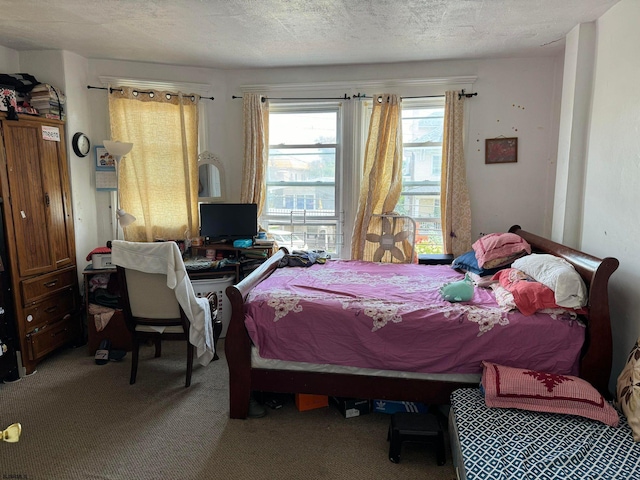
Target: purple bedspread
392 317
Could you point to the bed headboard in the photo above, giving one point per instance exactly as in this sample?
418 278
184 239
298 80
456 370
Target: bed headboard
595 365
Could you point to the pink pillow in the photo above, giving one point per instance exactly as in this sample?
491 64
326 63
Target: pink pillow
528 295
507 387
498 249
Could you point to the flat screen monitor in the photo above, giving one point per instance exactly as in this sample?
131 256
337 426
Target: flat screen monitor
228 221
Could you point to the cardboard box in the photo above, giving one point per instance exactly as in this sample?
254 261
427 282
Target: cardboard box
393 406
309 402
352 407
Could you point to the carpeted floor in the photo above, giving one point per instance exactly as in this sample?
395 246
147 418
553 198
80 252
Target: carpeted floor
84 421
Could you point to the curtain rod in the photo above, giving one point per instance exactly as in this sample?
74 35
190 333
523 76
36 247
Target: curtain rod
461 94
264 99
111 90
359 96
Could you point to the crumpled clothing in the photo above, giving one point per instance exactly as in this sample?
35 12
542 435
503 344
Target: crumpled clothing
106 299
302 258
99 280
101 315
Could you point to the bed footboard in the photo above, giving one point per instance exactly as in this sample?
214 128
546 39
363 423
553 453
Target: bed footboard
238 342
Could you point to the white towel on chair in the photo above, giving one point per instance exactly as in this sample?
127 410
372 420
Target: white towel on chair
165 258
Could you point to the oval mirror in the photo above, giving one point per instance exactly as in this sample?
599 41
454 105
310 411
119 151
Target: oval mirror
211 186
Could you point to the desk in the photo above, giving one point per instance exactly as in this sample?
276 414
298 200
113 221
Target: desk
246 259
116 330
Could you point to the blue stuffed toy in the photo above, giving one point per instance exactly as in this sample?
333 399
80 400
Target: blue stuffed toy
460 291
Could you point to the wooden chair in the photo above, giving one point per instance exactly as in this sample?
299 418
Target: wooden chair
152 312
390 238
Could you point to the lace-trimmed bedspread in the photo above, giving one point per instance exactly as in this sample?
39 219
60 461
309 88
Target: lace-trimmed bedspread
392 317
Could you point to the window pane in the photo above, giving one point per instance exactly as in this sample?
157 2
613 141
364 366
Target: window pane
421 169
421 125
305 237
302 165
311 128
302 209
420 163
306 201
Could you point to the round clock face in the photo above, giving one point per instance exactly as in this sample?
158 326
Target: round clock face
81 144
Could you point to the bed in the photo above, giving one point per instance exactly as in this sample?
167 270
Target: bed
503 443
250 371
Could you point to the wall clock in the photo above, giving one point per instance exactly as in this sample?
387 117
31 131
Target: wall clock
81 144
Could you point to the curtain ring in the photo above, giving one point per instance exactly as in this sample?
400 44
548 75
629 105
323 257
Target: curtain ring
168 96
151 94
134 93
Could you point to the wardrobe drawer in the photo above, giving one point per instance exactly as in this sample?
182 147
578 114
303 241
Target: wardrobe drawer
51 337
42 286
48 311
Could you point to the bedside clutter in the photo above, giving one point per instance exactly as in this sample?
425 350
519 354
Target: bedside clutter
435 259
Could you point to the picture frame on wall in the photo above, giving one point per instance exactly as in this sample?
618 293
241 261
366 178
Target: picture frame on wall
104 159
106 179
501 150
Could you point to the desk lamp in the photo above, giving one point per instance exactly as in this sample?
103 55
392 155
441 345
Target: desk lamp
119 150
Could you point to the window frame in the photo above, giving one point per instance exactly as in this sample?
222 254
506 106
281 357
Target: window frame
291 219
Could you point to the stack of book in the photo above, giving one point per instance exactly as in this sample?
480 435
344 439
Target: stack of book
263 242
48 100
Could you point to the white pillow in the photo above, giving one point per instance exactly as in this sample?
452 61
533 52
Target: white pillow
557 274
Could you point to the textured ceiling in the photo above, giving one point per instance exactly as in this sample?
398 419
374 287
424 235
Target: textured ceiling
278 33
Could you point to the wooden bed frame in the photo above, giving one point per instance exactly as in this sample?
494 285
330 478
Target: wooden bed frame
595 363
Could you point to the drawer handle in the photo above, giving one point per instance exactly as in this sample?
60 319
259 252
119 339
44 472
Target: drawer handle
51 284
51 309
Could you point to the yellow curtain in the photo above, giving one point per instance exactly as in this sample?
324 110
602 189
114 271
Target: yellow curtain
158 179
454 194
256 149
382 175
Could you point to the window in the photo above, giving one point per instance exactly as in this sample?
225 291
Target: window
422 126
164 131
306 170
303 204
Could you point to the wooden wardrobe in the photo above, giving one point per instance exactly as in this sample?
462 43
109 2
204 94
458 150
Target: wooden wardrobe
39 236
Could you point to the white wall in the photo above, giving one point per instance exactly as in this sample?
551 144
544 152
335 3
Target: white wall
573 134
520 97
9 61
516 97
611 222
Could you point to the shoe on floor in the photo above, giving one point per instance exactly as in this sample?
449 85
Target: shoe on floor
102 353
255 409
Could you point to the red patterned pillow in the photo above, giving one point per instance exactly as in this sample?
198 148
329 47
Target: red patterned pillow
529 295
508 387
